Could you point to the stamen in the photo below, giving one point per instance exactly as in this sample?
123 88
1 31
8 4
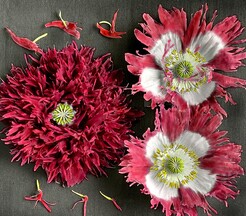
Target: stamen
40 37
63 21
63 114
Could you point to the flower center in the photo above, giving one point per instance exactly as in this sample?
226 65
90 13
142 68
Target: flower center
185 71
63 114
175 165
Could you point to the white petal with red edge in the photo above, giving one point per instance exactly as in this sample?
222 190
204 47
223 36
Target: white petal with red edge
202 93
194 142
208 45
162 44
159 189
156 142
203 183
151 80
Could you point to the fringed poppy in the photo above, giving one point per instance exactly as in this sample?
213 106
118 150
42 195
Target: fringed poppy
184 160
183 59
66 112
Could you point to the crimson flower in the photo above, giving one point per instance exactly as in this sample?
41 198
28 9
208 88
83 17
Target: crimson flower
67 113
184 160
183 59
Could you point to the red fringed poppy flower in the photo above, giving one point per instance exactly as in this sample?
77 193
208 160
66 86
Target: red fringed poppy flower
183 59
67 113
184 160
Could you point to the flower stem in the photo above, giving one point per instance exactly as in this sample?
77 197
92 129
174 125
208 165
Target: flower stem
81 195
38 185
40 37
111 199
63 21
105 22
105 196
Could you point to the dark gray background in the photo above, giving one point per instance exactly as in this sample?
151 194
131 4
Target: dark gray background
27 18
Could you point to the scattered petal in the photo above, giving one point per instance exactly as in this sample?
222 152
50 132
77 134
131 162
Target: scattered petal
111 33
84 199
113 201
39 198
25 42
69 27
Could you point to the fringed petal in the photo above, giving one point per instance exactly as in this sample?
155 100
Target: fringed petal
224 190
226 81
224 160
152 28
135 164
138 63
151 80
196 26
195 142
203 183
228 29
163 47
170 119
174 20
204 122
207 44
190 200
158 189
156 142
200 95
229 59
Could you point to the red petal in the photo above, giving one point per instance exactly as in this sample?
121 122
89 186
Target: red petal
85 200
138 63
112 29
58 24
174 21
226 81
45 205
116 205
103 31
24 42
112 33
70 29
109 33
31 198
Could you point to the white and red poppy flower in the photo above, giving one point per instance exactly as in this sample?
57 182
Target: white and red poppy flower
183 59
184 160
